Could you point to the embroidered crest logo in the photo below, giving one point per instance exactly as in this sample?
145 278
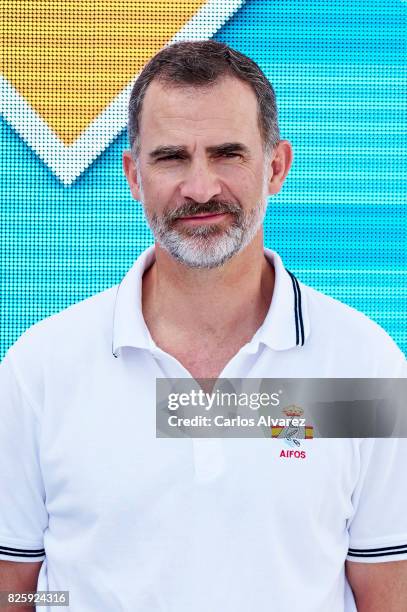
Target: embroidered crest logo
296 429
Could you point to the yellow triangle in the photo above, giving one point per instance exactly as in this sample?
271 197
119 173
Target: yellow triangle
70 58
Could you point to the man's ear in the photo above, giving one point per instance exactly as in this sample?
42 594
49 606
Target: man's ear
130 170
280 164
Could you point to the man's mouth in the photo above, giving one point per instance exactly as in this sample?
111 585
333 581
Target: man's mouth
203 217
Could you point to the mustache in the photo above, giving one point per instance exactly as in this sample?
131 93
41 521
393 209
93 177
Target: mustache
191 208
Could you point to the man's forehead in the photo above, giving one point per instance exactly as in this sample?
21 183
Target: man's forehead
229 100
225 83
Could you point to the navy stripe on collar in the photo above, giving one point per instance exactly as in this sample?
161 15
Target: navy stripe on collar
299 323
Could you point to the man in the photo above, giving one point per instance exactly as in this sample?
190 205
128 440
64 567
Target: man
92 500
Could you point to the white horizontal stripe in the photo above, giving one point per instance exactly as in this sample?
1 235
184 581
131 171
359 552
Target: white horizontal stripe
327 102
319 148
349 174
298 74
350 271
338 197
331 125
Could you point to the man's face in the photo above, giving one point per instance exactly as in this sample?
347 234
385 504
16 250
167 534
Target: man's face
201 173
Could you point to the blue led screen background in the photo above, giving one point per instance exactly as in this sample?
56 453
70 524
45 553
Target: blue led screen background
69 227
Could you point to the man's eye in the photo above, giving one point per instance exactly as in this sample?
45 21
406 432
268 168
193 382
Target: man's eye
169 157
230 155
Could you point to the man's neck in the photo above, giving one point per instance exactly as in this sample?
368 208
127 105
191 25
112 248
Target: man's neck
229 303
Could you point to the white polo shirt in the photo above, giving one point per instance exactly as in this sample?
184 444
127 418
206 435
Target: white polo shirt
129 521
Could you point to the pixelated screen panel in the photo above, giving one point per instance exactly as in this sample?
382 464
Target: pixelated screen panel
69 59
69 227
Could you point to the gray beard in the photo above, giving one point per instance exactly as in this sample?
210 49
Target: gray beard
207 246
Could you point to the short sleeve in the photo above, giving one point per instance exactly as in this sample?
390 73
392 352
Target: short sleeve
378 527
23 515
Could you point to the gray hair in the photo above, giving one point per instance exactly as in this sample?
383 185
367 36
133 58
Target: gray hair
200 64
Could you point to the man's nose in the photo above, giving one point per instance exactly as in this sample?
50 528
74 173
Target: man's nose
200 183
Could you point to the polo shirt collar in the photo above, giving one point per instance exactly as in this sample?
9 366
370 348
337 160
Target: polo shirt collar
129 327
286 325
